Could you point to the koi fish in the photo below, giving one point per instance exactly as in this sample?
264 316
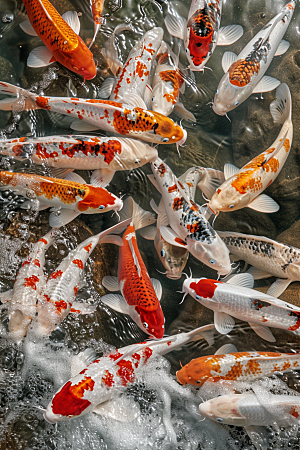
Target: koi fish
167 83
103 155
57 298
96 386
60 36
72 196
236 298
236 366
201 32
97 8
141 295
21 301
269 258
188 226
94 114
243 187
244 74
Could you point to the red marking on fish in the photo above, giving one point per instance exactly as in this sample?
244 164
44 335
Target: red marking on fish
75 290
205 288
73 310
115 356
147 352
78 263
88 247
42 102
31 281
56 274
169 343
43 240
36 262
180 241
136 356
67 403
60 305
125 372
108 379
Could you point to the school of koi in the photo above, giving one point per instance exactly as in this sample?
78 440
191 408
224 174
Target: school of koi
133 108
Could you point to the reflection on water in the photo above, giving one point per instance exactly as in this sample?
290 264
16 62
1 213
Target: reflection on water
32 371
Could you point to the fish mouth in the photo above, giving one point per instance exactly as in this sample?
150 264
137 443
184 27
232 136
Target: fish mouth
182 141
217 111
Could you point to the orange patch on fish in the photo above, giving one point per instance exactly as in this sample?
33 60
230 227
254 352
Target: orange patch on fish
244 182
87 384
42 102
241 72
78 263
31 281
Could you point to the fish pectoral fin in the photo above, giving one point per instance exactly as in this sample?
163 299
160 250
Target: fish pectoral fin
148 233
266 84
242 279
106 88
111 283
258 436
60 217
72 176
157 287
230 170
184 113
227 348
170 236
282 47
228 59
134 100
229 34
148 97
40 57
158 209
154 182
59 173
210 182
72 19
116 302
264 203
162 219
28 28
81 308
80 361
258 274
111 239
80 125
279 286
224 323
122 409
34 205
140 217
263 332
176 25
102 177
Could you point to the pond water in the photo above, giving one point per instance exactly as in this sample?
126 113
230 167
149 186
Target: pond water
31 371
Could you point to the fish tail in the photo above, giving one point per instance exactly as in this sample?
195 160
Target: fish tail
140 217
22 100
207 332
281 108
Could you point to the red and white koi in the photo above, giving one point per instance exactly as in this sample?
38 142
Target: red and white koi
244 73
236 298
141 295
72 196
56 300
97 9
109 375
251 410
243 187
269 258
201 32
60 36
104 155
107 115
236 366
188 226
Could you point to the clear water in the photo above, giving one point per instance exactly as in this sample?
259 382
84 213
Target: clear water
31 372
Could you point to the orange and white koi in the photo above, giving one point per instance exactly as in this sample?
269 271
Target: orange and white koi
106 377
141 295
188 226
104 155
97 8
104 114
237 366
244 73
60 36
71 197
201 32
253 410
57 298
237 298
243 187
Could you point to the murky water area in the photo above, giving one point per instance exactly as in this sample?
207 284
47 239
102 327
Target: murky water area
33 370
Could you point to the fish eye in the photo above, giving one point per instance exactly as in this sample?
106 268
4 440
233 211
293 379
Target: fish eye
236 103
145 325
217 91
212 261
165 140
163 253
152 99
231 206
186 49
101 207
198 297
219 419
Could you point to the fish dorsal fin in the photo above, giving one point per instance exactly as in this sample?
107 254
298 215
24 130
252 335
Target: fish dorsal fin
160 209
224 323
106 88
134 100
140 217
210 181
277 149
71 176
242 279
263 332
157 287
266 84
228 59
264 203
71 17
230 170
190 180
83 359
229 34
133 254
101 177
258 274
28 28
148 233
282 47
162 219
227 348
